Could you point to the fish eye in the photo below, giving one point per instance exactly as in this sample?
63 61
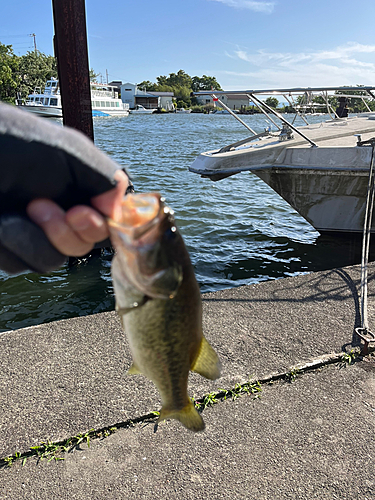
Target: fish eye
171 233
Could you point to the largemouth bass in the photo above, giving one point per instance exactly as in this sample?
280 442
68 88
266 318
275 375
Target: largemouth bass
159 303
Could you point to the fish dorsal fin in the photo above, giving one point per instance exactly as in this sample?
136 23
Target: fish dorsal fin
188 416
207 363
133 370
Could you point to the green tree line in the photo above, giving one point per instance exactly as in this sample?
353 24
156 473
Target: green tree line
182 85
21 74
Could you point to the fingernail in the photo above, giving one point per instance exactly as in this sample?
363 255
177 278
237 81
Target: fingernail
97 220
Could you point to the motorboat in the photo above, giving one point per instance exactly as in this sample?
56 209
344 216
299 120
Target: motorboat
105 101
320 169
141 110
47 103
183 110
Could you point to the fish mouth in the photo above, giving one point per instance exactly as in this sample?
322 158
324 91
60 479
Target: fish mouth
140 214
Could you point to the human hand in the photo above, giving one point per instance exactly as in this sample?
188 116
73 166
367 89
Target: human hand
75 231
56 177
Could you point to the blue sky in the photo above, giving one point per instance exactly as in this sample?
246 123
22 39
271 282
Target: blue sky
244 44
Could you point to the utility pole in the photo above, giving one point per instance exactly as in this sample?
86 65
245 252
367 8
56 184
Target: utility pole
34 37
73 64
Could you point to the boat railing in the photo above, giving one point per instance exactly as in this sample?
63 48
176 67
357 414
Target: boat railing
101 93
237 144
305 102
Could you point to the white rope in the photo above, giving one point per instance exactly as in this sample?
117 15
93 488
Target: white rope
366 242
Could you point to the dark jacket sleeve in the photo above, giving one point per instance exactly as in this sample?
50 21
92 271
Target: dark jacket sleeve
40 159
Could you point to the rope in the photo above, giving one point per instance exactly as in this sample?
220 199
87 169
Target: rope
364 333
366 241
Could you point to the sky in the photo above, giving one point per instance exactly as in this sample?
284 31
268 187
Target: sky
244 44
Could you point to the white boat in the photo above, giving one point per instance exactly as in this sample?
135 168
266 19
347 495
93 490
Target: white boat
321 170
104 101
141 110
182 110
47 103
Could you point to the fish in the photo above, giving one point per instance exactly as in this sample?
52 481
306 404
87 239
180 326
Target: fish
159 303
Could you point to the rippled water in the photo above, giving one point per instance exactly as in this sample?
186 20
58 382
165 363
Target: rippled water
238 231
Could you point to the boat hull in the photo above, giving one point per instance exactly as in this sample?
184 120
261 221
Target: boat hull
331 201
45 111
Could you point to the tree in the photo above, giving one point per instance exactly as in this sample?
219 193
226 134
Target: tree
181 84
93 76
9 73
205 83
272 102
146 84
35 69
180 79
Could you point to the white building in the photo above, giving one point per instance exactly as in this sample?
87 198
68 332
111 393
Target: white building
232 101
132 95
165 100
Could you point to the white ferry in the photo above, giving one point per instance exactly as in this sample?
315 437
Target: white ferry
105 101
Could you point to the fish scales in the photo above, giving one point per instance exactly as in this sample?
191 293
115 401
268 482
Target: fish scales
159 302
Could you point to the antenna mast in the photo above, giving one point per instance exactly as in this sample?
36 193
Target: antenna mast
34 37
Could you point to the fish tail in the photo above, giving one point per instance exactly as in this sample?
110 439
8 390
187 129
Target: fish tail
188 416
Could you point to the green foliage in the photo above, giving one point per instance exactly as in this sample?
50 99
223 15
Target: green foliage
182 84
181 104
179 79
272 102
292 375
35 69
22 74
147 85
93 75
9 73
205 83
348 358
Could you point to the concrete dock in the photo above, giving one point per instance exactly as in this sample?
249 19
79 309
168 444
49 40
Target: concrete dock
306 430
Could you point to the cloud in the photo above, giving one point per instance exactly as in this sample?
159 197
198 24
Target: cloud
349 64
265 7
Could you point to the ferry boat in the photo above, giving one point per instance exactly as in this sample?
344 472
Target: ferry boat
105 101
322 170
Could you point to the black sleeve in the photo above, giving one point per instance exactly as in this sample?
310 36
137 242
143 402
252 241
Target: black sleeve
39 158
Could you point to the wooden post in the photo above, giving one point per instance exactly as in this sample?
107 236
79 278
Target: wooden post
73 64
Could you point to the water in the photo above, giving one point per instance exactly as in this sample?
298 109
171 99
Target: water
238 231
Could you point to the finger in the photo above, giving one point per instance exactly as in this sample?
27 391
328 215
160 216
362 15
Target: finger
109 203
51 218
87 223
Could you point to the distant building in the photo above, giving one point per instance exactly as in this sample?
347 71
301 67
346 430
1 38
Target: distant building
232 101
116 83
131 94
165 100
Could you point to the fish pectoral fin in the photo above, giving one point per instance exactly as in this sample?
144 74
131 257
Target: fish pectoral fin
188 416
207 363
133 370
